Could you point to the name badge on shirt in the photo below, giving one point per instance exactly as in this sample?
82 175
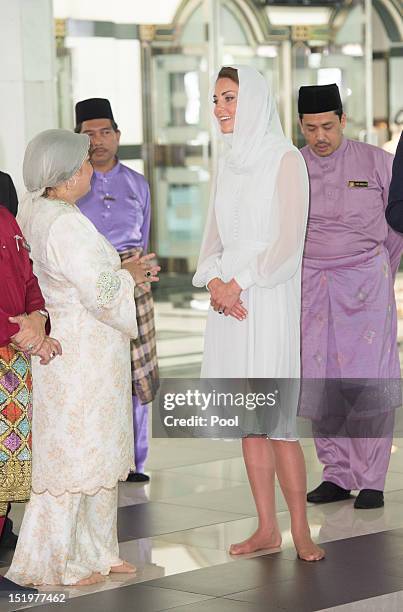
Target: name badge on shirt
358 184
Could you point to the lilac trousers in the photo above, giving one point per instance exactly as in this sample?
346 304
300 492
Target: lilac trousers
349 330
140 430
355 463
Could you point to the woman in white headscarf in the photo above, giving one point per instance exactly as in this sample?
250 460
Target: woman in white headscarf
82 409
250 261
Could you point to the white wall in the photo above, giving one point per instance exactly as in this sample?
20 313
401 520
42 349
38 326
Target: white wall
27 82
118 11
110 68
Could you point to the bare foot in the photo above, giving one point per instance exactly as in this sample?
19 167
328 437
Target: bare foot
124 568
94 578
260 540
307 550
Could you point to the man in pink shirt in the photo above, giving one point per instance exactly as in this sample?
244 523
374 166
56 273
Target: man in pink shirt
349 323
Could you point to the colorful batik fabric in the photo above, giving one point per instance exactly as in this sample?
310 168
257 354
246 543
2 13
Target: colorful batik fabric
15 424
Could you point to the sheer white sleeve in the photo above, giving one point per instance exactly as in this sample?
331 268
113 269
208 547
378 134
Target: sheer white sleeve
209 263
78 255
208 266
280 261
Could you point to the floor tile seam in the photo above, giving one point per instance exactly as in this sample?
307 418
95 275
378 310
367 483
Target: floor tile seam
172 472
228 595
241 516
268 557
209 461
255 607
192 464
130 537
391 531
128 586
179 588
352 565
210 491
162 539
181 605
361 535
139 503
232 596
389 575
365 535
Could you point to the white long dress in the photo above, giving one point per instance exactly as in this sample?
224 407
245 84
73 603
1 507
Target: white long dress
259 241
82 411
260 244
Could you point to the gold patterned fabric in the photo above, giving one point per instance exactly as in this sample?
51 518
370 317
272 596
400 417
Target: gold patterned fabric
15 425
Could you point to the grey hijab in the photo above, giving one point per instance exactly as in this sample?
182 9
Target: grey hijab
51 158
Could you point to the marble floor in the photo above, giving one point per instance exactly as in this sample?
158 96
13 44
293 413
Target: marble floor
178 527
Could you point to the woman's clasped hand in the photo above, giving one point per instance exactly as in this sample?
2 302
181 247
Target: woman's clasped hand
32 333
50 349
142 269
32 337
225 298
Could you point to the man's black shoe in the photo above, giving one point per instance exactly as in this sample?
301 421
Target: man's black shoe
8 587
327 492
8 539
137 477
368 499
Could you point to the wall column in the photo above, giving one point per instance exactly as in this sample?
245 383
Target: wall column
27 79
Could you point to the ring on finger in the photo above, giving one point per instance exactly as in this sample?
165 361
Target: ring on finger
30 346
52 354
148 274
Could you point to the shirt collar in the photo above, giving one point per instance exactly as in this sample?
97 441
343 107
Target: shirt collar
115 170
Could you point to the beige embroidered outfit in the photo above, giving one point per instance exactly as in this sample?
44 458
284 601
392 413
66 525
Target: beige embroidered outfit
82 423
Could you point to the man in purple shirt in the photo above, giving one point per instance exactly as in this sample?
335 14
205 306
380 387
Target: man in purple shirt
119 207
349 322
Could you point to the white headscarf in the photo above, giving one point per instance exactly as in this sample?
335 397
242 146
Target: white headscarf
51 158
250 161
258 134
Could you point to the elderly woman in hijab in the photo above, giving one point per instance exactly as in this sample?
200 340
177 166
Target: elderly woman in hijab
82 402
24 325
250 261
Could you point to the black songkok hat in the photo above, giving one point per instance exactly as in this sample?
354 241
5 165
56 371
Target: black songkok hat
93 108
314 99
